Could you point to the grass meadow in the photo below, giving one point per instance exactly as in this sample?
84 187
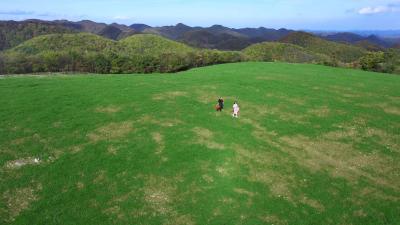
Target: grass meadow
313 145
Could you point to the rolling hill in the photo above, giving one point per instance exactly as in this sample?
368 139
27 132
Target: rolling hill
85 52
312 145
338 51
283 52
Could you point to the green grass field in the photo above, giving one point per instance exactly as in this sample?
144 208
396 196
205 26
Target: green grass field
313 145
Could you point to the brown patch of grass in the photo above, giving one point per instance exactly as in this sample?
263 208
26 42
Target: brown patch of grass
259 131
260 166
159 139
111 131
108 109
76 148
80 185
177 219
57 124
162 123
112 150
272 219
19 199
341 160
312 203
205 137
390 109
244 192
100 177
323 111
208 178
171 95
114 211
158 194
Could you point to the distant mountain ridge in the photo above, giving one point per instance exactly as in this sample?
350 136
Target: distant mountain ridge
218 37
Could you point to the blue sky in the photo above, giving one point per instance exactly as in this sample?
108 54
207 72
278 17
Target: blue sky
294 14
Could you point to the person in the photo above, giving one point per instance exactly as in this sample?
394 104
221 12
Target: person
235 110
220 105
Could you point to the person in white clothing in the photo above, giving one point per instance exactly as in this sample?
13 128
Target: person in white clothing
235 110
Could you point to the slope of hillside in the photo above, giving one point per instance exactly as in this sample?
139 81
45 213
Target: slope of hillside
84 52
342 52
274 51
312 145
81 42
151 44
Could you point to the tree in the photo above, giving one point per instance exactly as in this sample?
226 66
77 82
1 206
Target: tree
372 61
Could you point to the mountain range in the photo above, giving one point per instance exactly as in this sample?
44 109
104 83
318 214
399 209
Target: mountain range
218 37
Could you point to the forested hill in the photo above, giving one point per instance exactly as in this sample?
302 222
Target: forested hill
219 37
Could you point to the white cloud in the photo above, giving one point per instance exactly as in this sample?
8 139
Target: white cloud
378 9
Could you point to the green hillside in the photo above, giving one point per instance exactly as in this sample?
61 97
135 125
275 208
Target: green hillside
342 52
84 52
274 51
312 145
81 42
152 45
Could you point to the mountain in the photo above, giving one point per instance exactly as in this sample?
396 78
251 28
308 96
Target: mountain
171 32
221 41
116 32
139 27
337 51
13 33
264 34
216 36
351 38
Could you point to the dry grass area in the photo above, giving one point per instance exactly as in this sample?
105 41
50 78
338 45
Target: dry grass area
342 160
111 131
206 137
108 109
159 139
163 123
171 95
19 199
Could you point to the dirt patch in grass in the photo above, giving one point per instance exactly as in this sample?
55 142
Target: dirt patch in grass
342 160
322 111
159 139
272 219
80 185
101 177
19 199
18 163
171 95
112 150
260 165
259 131
390 109
111 131
205 137
163 123
312 203
158 194
244 192
108 109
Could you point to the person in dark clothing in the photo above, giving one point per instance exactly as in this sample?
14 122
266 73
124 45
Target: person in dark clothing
220 104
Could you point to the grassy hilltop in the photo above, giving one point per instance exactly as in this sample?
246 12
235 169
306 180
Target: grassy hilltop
313 145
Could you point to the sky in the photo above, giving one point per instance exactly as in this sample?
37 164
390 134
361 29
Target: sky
292 14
